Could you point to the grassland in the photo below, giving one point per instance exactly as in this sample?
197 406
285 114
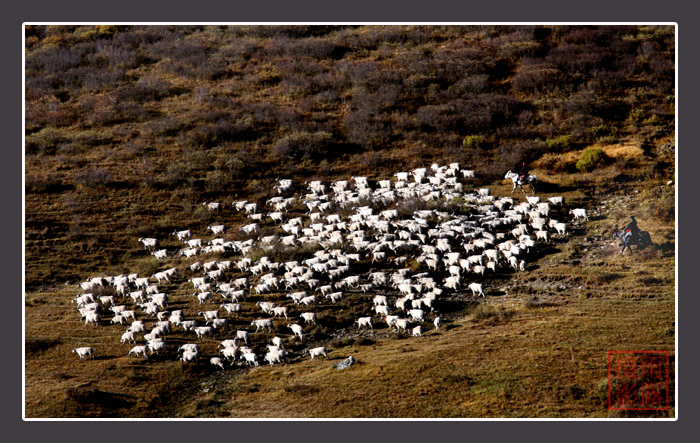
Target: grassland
130 129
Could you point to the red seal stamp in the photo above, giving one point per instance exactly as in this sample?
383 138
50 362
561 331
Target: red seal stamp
638 380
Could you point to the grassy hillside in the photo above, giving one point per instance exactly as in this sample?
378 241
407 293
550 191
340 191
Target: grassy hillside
130 129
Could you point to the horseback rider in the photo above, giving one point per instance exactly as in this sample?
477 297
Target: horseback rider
631 230
522 173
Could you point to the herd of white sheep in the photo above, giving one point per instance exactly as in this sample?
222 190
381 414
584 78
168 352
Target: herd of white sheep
417 257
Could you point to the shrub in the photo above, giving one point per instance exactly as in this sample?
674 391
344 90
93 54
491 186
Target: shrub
491 315
303 145
93 177
558 144
35 345
473 141
590 159
554 163
45 141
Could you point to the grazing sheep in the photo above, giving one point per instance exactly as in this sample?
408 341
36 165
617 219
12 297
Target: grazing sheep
229 353
250 358
317 352
296 329
262 324
216 361
416 314
476 288
232 307
417 331
364 321
136 350
275 356
201 331
560 228
189 356
309 317
128 336
579 214
242 335
84 352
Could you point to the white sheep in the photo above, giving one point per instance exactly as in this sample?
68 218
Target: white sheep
149 243
437 322
92 317
216 361
156 346
136 350
401 324
219 323
250 358
522 265
188 347
242 335
417 331
317 352
335 296
182 235
189 356
262 324
476 288
232 307
129 335
296 329
229 353
204 296
137 326
84 352
379 300
188 325
201 331
416 314
579 213
364 321
209 315
559 201
560 228
275 356
277 341
309 317
382 310
160 254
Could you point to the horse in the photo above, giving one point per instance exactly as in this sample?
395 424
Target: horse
528 180
641 240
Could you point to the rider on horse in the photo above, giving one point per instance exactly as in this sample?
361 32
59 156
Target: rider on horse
522 173
630 230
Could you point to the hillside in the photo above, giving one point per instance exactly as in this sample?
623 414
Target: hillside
130 129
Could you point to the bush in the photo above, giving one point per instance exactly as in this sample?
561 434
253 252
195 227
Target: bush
303 145
558 144
554 163
590 159
93 177
473 141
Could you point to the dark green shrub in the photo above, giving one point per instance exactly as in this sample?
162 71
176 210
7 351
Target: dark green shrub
590 159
